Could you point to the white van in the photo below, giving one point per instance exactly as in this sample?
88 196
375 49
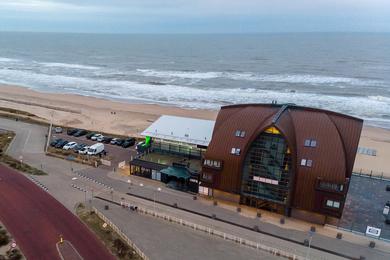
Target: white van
96 149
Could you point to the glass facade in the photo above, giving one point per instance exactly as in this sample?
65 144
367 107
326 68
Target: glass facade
267 168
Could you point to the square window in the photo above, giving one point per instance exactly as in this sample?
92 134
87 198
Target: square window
303 162
309 163
238 133
313 143
307 142
329 203
242 134
238 151
336 204
233 151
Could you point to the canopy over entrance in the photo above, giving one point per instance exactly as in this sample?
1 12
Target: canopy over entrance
177 172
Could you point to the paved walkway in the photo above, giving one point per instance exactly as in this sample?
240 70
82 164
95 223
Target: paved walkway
29 143
185 201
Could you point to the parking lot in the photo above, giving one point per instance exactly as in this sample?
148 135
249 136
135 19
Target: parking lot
364 205
117 153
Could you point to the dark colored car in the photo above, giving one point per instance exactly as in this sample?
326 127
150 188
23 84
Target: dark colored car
90 134
119 142
55 142
80 132
71 131
128 142
79 147
61 144
107 139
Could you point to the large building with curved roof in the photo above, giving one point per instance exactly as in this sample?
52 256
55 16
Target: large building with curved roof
285 158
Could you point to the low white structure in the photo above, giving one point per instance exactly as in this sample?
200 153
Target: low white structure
181 129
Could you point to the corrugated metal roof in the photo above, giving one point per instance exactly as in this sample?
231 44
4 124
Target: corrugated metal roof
181 129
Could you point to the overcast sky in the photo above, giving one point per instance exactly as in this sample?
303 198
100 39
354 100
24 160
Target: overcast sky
195 16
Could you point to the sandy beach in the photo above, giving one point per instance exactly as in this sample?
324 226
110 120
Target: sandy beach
130 119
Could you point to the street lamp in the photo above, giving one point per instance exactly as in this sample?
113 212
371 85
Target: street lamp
112 195
154 198
129 182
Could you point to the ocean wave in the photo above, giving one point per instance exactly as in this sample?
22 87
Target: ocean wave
5 60
68 65
193 97
250 76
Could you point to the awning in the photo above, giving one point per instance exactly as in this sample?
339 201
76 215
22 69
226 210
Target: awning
177 172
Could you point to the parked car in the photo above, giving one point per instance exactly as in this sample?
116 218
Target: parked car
90 134
69 146
58 130
113 141
71 131
61 144
96 136
80 132
119 141
83 150
55 142
107 139
128 142
96 149
100 138
79 147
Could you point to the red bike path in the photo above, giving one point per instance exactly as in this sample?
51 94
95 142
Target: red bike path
36 220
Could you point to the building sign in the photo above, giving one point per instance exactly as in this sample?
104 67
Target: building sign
373 232
265 180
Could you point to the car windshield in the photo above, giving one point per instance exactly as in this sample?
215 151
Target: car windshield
91 150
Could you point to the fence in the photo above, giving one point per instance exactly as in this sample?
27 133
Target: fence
371 174
121 234
217 233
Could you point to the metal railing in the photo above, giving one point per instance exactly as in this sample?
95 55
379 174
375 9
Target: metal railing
213 232
121 234
371 174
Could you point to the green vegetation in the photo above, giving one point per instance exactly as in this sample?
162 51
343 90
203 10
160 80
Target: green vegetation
11 254
4 238
15 111
5 140
107 235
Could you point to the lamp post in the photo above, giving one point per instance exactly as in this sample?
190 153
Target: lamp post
308 249
154 198
112 195
129 182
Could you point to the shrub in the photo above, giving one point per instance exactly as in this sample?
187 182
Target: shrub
4 238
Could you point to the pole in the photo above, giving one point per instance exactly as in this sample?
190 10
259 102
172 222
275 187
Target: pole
308 250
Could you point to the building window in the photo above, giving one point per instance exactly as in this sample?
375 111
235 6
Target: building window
212 163
207 176
307 162
331 186
236 151
240 133
333 204
310 143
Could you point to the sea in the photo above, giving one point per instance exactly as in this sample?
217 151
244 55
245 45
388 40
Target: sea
343 72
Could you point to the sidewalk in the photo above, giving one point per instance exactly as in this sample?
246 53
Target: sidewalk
205 208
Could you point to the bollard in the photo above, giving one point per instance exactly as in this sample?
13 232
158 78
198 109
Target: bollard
313 229
282 221
258 214
339 236
256 228
214 216
239 209
372 244
306 242
175 205
215 203
194 198
106 207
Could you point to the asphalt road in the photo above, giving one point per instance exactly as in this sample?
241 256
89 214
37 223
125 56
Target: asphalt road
36 220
